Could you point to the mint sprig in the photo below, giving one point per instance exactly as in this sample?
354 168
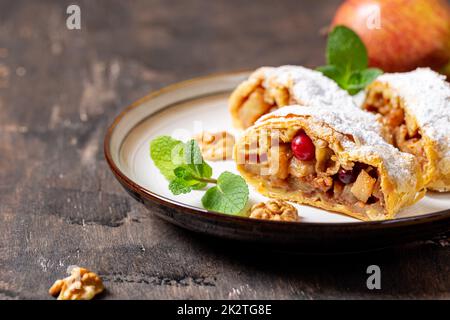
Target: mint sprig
347 61
230 195
183 165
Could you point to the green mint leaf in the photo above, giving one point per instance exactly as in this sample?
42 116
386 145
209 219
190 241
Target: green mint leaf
360 79
346 50
334 73
166 153
178 186
369 75
354 84
199 185
229 196
194 160
184 172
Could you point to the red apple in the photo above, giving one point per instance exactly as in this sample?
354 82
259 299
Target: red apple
400 35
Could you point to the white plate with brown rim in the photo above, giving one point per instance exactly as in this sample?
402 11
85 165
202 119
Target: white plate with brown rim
190 107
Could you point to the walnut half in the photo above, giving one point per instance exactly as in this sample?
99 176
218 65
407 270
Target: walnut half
216 146
277 210
82 284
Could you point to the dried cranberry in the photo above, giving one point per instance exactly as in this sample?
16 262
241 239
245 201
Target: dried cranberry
302 147
346 176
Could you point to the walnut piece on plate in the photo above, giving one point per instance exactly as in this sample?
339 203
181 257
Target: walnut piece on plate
216 146
82 284
277 210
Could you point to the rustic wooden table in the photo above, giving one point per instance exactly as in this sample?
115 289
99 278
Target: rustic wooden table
59 203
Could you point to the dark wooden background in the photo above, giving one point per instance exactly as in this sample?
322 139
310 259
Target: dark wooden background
59 203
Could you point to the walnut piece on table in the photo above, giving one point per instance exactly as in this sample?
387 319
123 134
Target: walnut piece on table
82 284
216 146
277 210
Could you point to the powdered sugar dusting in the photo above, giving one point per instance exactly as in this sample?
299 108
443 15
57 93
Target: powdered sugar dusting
308 87
359 124
312 88
426 95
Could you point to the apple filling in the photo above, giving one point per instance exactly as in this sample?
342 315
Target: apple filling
307 167
404 132
261 101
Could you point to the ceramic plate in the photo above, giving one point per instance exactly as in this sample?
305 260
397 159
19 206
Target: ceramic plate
185 109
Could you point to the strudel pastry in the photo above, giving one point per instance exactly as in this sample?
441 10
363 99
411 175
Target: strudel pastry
415 108
268 89
326 158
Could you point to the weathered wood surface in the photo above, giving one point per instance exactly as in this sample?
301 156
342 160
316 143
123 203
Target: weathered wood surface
59 203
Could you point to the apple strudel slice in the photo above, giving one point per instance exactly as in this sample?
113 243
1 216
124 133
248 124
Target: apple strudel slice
325 158
415 108
269 88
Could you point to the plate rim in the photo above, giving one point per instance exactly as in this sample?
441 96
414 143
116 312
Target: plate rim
155 197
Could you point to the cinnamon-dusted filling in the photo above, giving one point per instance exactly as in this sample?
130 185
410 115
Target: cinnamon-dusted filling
404 131
261 101
316 173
